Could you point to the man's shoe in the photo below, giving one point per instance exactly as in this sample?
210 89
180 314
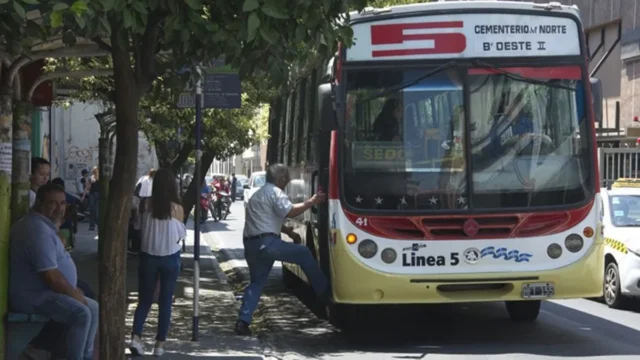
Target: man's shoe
242 328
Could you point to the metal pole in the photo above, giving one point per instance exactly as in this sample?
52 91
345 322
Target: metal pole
196 235
180 174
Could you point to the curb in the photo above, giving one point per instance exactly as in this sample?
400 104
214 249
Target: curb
243 275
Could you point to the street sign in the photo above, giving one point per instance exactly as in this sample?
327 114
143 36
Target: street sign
221 88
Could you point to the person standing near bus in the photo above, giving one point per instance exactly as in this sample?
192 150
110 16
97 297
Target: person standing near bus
266 212
234 189
163 230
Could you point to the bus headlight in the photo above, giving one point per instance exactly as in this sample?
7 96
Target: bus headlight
574 243
367 248
554 251
388 255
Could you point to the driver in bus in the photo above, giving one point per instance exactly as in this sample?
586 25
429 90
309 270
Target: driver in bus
386 127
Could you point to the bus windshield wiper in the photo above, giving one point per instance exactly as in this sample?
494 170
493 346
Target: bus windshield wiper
403 86
517 77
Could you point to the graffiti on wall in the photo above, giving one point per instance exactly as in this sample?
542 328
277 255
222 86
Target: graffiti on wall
79 158
87 154
74 170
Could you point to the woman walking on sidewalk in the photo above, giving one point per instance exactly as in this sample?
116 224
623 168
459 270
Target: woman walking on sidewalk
162 231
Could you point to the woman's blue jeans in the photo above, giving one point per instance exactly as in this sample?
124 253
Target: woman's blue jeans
150 269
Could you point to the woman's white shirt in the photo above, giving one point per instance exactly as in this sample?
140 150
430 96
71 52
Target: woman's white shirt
161 237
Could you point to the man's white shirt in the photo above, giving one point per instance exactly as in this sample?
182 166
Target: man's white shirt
146 185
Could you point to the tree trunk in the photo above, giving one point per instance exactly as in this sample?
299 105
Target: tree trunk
189 198
6 136
167 160
105 177
113 259
20 183
164 155
182 157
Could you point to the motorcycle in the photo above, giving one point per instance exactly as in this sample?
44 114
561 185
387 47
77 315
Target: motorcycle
222 201
204 206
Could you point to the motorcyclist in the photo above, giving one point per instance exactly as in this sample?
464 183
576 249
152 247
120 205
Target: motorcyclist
206 191
220 186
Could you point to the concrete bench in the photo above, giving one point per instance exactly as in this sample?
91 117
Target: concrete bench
21 330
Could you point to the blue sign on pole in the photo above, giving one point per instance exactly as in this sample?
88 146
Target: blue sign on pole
221 88
222 91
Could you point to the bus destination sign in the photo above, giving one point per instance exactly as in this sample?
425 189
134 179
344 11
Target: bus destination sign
465 36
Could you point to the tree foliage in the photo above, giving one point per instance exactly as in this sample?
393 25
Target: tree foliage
225 132
149 38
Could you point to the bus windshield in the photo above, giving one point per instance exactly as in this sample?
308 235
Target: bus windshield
407 149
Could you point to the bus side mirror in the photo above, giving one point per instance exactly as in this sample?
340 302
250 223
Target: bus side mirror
596 93
328 120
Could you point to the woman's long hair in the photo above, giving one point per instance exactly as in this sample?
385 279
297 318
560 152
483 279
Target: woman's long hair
163 193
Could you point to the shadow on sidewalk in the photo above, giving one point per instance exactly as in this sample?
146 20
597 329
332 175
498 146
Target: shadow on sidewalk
217 306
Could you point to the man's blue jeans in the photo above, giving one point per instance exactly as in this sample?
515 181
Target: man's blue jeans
81 319
151 267
261 253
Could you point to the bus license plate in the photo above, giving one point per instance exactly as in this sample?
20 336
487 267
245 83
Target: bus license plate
538 291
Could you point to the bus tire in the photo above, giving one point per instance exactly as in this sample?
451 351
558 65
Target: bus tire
289 279
342 316
611 288
523 311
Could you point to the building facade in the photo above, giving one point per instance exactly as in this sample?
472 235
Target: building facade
68 138
612 29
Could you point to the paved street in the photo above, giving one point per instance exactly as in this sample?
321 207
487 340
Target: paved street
565 329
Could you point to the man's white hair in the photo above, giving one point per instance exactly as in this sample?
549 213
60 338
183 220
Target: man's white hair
277 173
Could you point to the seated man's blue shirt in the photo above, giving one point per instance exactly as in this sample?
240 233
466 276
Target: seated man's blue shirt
205 190
35 247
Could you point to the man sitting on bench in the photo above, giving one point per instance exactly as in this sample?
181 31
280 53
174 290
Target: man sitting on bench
43 277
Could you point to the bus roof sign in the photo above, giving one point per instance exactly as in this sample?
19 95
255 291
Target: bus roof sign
465 36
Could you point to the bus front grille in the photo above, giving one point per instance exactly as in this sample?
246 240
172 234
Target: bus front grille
454 227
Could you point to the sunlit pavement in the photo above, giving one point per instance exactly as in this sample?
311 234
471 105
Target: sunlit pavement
566 329
217 305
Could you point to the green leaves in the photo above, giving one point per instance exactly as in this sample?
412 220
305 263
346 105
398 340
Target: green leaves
60 6
250 5
274 12
19 10
194 4
78 7
56 19
269 35
253 23
128 19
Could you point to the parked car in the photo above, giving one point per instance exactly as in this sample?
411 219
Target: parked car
255 182
239 190
621 222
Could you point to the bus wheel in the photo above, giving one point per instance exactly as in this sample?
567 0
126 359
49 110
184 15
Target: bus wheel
289 279
523 311
612 296
342 316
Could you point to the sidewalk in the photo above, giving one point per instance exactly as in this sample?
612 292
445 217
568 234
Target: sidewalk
218 306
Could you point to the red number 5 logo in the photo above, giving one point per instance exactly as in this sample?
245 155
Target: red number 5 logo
386 36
